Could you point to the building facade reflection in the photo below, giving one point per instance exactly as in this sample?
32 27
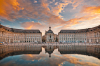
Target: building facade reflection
93 50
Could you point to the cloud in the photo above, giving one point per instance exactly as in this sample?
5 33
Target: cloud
41 11
57 59
7 7
91 9
76 61
30 25
57 22
34 25
58 8
87 24
49 16
73 60
76 3
46 12
75 21
61 4
35 1
90 18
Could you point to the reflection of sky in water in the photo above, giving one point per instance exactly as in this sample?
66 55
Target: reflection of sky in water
86 58
56 59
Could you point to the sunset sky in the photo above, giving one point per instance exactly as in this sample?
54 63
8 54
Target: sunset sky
59 14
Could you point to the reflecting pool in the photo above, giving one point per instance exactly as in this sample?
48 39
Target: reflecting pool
37 55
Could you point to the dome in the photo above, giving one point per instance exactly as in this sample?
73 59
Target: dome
49 31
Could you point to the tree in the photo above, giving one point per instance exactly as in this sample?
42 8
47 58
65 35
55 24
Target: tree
56 39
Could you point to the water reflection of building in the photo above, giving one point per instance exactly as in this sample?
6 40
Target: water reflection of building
67 49
12 35
93 50
17 50
49 49
90 35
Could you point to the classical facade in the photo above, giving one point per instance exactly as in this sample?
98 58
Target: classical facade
72 36
93 35
12 35
90 35
50 36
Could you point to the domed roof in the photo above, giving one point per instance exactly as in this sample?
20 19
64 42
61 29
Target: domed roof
49 31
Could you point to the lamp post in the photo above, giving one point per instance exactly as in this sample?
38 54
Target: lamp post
2 37
74 39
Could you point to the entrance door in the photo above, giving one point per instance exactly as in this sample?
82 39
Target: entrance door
50 40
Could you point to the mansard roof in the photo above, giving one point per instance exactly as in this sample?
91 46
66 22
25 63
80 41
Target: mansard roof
67 31
81 30
20 30
49 31
73 31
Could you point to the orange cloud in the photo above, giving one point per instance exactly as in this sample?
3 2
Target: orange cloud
74 21
76 3
56 10
50 17
31 25
34 25
91 9
42 12
7 6
55 23
45 5
75 60
60 6
90 15
30 55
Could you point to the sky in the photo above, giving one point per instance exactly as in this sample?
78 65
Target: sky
59 14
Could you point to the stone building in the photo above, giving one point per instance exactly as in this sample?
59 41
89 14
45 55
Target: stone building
12 35
49 35
93 35
90 35
72 36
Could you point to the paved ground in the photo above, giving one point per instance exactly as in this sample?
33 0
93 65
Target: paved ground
44 44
